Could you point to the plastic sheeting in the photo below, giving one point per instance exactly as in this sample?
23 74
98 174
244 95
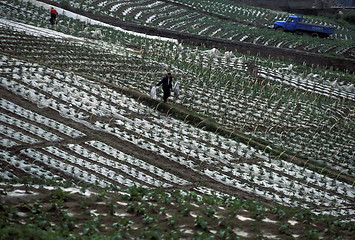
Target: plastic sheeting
153 93
176 89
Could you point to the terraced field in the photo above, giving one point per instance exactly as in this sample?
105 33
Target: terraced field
250 148
223 19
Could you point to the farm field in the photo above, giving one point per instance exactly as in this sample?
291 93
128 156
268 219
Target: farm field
251 147
224 19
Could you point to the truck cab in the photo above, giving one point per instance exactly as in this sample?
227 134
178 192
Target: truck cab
288 25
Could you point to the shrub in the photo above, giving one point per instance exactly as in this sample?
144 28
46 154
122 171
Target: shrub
27 232
350 18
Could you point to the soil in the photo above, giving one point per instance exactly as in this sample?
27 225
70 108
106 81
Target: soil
52 205
302 57
79 206
124 146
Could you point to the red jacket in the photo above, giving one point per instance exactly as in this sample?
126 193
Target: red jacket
53 11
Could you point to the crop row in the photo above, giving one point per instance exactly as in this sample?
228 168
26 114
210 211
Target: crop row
271 110
262 71
38 131
242 180
35 117
137 162
203 24
200 151
147 85
162 213
254 14
213 59
25 166
336 85
238 105
71 168
15 135
95 106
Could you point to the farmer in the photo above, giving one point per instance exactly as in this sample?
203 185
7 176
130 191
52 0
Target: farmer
167 85
54 14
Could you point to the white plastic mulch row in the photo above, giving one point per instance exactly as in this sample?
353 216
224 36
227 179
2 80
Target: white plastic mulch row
98 169
29 128
187 144
20 111
268 193
67 169
131 128
317 198
39 98
311 82
183 143
11 134
272 194
6 174
137 162
87 20
29 168
35 31
89 103
288 186
118 166
330 150
8 142
312 177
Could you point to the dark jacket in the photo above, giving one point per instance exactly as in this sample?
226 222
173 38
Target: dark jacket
167 83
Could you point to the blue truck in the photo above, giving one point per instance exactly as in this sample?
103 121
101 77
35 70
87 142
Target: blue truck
295 24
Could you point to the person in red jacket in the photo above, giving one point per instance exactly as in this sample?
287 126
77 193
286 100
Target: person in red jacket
54 14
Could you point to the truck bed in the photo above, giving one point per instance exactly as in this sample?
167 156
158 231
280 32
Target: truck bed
315 28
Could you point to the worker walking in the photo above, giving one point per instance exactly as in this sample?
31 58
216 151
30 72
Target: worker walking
167 82
54 14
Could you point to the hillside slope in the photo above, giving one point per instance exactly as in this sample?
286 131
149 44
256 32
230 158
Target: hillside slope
249 148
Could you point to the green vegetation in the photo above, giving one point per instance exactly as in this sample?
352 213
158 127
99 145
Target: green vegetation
235 28
279 110
57 216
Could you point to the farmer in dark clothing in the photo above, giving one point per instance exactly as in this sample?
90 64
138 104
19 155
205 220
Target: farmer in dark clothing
54 14
167 82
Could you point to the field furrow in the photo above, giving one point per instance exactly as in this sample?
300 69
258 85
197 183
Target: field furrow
258 135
